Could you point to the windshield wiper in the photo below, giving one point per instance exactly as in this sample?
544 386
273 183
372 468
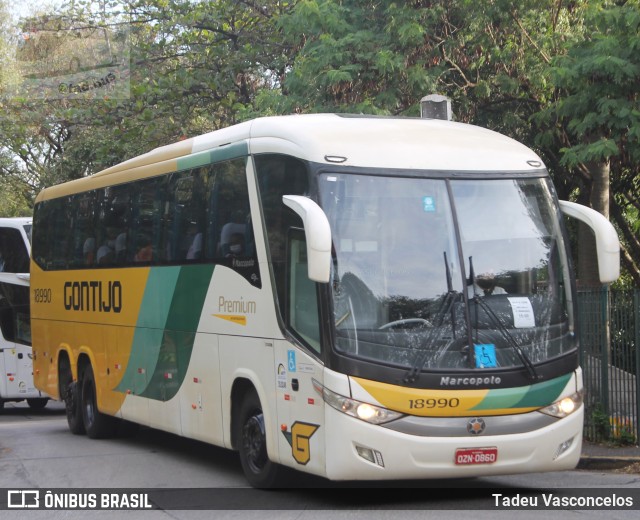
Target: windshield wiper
436 331
506 335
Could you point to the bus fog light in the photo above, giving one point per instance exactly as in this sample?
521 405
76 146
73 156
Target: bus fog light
562 447
372 456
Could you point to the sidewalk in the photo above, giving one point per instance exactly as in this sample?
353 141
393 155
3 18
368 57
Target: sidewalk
605 456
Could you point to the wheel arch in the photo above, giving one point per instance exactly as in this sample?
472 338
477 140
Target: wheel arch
242 385
240 388
64 354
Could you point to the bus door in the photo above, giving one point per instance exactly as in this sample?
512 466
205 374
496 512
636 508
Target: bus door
300 406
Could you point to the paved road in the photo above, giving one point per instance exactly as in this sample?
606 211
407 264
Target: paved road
37 451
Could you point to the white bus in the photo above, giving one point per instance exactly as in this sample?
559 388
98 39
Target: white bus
16 366
354 297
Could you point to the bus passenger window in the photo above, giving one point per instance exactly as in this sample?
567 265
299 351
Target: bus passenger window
236 227
89 251
229 237
14 257
194 239
145 253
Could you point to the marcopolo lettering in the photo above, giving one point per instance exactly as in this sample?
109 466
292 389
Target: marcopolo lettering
93 296
469 381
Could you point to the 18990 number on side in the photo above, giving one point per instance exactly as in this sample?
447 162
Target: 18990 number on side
42 295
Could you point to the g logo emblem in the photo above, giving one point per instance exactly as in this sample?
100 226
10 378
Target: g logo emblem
298 438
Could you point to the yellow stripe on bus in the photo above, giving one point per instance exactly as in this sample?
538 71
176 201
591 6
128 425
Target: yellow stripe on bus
433 402
240 320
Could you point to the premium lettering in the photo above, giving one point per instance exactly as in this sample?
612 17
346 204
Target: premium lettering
93 296
238 306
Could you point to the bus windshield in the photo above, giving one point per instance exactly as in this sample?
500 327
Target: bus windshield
434 273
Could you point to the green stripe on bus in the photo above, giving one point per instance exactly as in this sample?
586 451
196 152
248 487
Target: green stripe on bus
534 396
501 398
180 332
152 319
543 394
223 153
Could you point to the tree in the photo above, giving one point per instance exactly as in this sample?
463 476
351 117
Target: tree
193 68
597 120
519 67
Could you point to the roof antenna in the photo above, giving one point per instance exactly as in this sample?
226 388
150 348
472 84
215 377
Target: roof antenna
435 106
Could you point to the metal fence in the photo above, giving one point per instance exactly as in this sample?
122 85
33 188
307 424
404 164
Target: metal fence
609 337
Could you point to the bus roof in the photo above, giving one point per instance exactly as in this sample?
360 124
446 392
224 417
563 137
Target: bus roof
15 222
359 141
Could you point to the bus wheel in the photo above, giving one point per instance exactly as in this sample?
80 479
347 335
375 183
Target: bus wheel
258 469
68 390
96 424
37 403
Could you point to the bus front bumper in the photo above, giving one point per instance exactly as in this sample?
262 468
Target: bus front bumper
356 450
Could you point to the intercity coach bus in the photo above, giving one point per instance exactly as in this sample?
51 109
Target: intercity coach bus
356 297
16 366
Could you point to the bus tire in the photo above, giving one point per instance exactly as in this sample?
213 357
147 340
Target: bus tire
96 424
68 390
252 445
37 403
72 408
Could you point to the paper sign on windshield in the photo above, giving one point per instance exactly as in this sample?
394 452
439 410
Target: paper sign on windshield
522 312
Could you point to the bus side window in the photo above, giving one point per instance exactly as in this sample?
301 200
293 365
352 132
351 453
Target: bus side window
183 219
60 241
302 298
280 175
147 199
84 240
229 237
14 257
14 313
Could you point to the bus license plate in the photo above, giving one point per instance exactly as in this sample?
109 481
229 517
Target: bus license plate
466 456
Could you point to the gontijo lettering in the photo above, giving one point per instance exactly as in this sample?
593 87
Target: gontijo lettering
93 296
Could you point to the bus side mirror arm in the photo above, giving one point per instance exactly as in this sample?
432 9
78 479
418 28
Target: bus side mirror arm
318 234
607 242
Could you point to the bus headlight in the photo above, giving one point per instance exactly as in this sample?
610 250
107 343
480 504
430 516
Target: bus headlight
364 411
565 406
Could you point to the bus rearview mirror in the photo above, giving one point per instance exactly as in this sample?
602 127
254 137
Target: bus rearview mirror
318 235
607 242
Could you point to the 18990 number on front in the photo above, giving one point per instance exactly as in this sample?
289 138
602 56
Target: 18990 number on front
418 404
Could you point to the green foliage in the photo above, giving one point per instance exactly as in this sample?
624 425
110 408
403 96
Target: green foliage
559 76
193 68
600 421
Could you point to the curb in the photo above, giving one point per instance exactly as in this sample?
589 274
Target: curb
596 462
